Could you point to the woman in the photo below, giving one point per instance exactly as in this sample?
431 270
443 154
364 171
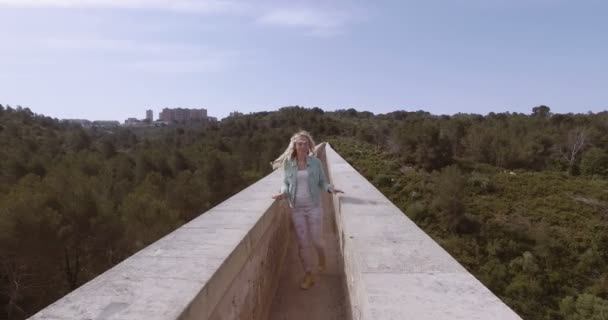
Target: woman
304 178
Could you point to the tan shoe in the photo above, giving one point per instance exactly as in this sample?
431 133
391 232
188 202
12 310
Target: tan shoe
307 282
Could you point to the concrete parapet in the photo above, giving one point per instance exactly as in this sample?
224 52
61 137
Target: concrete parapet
222 265
394 270
227 264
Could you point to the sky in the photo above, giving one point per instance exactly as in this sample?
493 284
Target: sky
114 59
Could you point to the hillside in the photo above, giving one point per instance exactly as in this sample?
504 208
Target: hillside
538 240
520 200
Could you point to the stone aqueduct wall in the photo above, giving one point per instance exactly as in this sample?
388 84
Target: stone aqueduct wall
394 270
226 263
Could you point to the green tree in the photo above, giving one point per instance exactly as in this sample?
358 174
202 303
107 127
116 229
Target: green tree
595 162
584 307
450 192
107 148
79 140
145 214
541 111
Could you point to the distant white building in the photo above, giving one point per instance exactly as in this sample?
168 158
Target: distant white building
132 121
106 123
149 116
83 122
181 115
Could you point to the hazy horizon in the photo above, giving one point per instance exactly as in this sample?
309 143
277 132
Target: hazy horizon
277 109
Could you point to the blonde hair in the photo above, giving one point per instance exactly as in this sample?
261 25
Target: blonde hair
290 152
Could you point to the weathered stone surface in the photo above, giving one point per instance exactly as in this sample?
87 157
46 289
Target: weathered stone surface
393 269
222 265
227 264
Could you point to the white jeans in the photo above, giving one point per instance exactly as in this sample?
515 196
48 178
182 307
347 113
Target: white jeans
308 222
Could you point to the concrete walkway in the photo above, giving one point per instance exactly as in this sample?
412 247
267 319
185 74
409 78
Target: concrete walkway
326 300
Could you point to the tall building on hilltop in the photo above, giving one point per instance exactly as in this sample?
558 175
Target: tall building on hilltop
149 116
181 115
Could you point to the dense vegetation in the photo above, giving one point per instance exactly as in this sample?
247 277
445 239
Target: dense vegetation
520 200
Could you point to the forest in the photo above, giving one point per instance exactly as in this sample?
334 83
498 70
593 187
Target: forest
520 200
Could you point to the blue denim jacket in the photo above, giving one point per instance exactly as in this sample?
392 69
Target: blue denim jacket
316 179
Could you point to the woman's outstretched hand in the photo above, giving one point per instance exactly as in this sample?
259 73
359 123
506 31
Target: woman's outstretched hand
278 196
335 191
